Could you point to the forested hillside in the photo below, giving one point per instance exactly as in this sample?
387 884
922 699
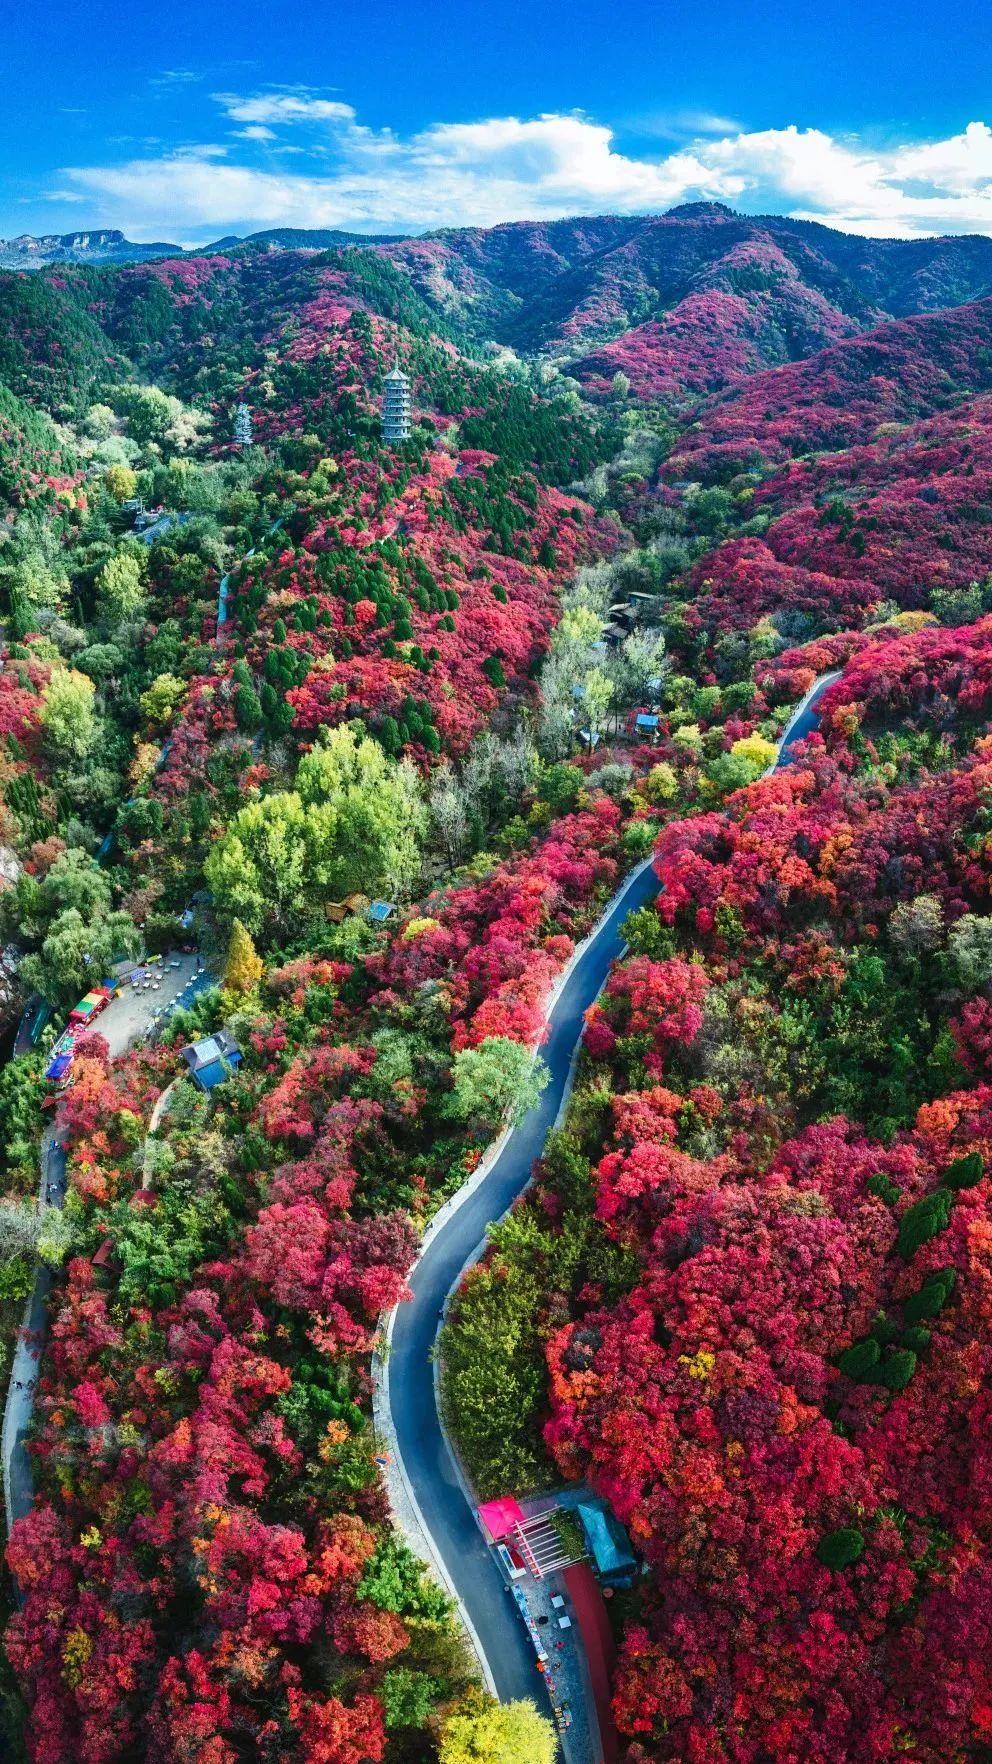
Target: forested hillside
535 284
753 1271
372 733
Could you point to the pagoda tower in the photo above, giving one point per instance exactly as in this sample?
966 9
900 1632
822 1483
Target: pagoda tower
396 408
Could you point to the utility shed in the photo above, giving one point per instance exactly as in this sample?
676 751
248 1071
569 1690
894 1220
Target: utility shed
213 1059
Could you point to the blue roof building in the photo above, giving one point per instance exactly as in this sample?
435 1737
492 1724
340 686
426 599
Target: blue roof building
161 526
213 1059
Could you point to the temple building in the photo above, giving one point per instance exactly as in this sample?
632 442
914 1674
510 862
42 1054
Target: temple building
396 408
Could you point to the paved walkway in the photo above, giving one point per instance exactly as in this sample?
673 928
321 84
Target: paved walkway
431 1495
803 720
18 1490
224 586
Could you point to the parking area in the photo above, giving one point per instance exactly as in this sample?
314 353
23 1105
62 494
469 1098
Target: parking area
147 994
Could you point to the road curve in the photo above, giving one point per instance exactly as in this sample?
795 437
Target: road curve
424 1456
422 1447
803 720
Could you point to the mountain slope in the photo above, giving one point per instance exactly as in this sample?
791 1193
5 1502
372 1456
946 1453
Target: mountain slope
902 371
53 351
561 283
35 460
683 304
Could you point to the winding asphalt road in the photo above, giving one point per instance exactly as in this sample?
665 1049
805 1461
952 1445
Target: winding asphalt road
425 1457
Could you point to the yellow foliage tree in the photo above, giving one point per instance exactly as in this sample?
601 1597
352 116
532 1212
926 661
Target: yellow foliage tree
161 698
67 713
245 966
754 753
120 482
142 767
660 785
482 1731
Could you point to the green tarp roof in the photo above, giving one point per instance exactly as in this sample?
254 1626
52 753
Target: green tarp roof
606 1538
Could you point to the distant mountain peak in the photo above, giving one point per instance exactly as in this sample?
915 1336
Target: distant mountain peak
93 236
87 245
701 211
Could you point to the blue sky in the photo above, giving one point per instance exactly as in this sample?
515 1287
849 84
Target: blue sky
186 121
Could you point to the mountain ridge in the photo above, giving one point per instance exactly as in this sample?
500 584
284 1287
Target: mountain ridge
680 306
30 251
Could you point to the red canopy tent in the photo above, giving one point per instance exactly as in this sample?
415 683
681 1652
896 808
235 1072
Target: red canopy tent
500 1517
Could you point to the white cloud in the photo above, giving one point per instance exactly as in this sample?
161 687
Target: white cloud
513 168
176 76
958 165
902 192
285 107
671 125
704 122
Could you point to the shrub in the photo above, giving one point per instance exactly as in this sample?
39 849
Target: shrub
917 1338
407 1697
884 1187
499 1078
482 1731
840 1549
924 1220
16 1277
645 933
247 708
860 1359
896 1371
638 838
965 1172
932 1296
